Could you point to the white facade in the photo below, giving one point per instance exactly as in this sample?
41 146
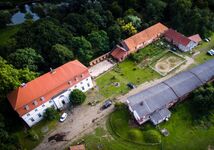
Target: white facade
58 102
187 48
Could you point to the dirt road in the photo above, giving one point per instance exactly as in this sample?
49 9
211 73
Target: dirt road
85 118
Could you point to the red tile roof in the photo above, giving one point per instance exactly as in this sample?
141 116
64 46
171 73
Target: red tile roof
196 38
77 147
177 37
47 86
119 53
144 36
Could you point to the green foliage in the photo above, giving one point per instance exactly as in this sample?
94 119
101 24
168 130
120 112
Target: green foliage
59 55
135 135
77 97
202 102
152 136
50 114
119 105
135 20
99 41
32 135
11 78
26 58
4 18
114 33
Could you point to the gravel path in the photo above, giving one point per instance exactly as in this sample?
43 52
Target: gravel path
86 118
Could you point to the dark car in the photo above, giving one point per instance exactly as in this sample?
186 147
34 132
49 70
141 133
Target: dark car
107 104
130 85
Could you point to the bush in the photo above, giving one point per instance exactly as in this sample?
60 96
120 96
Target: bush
32 135
119 105
152 136
50 114
77 97
135 135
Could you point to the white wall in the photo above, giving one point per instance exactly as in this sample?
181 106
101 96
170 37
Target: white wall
83 85
187 48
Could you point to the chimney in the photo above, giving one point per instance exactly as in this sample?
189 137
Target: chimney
23 84
52 70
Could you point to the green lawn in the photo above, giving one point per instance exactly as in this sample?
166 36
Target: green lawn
184 134
7 33
203 48
28 143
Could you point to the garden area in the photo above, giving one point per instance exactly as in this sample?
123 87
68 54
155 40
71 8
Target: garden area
122 133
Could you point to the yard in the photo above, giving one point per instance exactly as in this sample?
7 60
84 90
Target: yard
184 134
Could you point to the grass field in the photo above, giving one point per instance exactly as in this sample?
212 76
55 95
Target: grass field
184 134
123 73
7 33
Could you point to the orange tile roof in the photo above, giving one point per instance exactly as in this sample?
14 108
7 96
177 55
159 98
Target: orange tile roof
77 147
118 53
144 36
47 86
196 38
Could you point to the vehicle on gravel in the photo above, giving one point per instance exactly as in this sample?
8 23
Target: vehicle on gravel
63 117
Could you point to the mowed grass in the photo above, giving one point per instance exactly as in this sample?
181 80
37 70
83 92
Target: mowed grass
7 33
123 73
203 48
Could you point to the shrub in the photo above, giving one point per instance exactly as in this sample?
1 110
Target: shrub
50 113
152 136
135 135
32 135
119 105
77 97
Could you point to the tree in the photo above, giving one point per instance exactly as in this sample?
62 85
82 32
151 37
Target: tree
135 20
129 29
114 33
59 55
82 49
152 136
50 113
26 58
11 78
4 18
77 97
99 41
28 16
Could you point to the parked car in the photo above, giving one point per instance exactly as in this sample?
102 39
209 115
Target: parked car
107 104
130 85
211 52
63 117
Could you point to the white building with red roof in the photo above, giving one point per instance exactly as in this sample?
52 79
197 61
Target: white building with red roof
182 42
52 89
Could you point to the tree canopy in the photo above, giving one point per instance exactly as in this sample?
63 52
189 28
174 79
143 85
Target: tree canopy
77 97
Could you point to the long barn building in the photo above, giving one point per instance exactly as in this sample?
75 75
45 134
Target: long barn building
153 103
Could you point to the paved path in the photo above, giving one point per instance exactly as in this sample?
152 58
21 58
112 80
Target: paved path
85 118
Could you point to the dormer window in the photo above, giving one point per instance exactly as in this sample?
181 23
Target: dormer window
35 103
76 79
81 75
42 98
69 82
26 107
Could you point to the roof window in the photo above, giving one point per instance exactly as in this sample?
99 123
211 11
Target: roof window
42 98
35 102
26 107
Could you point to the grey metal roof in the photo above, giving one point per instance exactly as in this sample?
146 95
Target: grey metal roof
204 71
159 96
160 115
151 99
183 83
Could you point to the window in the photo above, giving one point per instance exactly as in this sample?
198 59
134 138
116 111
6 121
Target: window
87 79
35 103
69 82
82 76
26 107
39 115
81 82
76 79
43 105
83 88
32 119
75 86
28 114
50 101
42 98
36 110
88 85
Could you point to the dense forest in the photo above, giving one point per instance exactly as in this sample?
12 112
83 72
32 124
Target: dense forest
83 30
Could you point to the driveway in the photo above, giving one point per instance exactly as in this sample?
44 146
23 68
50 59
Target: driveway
85 118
